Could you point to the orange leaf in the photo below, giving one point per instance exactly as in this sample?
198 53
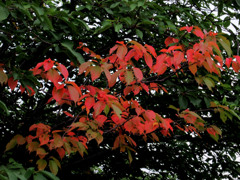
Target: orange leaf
3 77
193 68
41 164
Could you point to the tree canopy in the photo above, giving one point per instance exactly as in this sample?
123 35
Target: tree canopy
104 89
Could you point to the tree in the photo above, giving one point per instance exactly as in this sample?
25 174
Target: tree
124 98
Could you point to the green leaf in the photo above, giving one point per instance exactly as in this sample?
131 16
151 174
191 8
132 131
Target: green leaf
195 101
223 116
69 46
129 77
183 102
39 176
171 26
139 33
225 44
238 2
133 6
129 156
11 144
216 137
117 27
234 114
49 175
127 20
48 22
114 5
106 110
41 164
83 24
3 177
29 172
4 107
105 26
209 82
109 11
3 13
117 110
53 167
207 101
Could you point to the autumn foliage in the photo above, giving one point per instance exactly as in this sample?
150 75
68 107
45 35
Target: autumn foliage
134 67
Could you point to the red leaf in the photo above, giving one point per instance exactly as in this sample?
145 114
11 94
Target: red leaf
178 58
145 87
151 50
148 60
53 76
75 85
187 28
113 49
68 114
73 92
84 66
116 119
58 93
211 131
127 90
136 89
101 119
149 115
198 32
228 62
44 139
98 107
11 83
235 66
61 152
48 64
114 78
89 102
95 72
121 51
138 74
238 59
63 70
170 40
